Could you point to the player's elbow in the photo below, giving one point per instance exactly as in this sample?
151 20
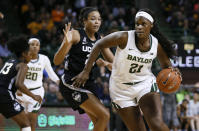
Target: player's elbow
19 84
56 61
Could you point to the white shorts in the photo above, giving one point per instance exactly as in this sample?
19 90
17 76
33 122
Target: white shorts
129 95
29 104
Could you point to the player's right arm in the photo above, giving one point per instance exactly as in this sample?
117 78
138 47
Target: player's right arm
52 75
165 61
22 70
163 58
70 37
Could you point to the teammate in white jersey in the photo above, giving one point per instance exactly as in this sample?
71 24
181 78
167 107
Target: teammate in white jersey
132 84
33 81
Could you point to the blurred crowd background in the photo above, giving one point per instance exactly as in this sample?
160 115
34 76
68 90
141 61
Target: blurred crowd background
178 20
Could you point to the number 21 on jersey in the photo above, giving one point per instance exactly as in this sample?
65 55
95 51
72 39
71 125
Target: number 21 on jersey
135 68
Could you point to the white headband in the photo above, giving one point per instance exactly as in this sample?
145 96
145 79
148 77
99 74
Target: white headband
32 39
145 15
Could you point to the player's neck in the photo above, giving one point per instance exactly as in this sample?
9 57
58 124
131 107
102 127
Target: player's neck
35 56
91 35
143 40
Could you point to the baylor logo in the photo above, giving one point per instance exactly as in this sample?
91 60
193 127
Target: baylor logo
139 59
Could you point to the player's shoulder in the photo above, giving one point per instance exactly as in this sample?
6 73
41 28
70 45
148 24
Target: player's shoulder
42 57
154 38
119 33
122 35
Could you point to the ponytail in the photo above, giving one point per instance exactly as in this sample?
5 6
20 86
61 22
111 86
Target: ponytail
166 44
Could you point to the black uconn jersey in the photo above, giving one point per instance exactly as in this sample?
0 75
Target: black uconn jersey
74 64
7 80
79 53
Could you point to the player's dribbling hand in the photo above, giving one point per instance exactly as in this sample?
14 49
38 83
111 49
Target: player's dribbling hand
37 98
177 70
80 79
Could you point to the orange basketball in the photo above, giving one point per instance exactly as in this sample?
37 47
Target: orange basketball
168 81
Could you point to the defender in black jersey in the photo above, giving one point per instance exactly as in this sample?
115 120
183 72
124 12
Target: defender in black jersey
76 46
12 76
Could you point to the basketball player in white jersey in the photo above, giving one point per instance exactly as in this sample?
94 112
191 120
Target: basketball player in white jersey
132 84
33 81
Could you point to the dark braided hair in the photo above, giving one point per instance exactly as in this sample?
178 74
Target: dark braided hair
18 45
166 44
84 14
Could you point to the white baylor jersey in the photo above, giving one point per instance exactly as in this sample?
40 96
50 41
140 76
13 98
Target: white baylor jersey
130 64
34 76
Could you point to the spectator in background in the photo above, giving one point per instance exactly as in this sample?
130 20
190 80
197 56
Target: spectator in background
169 111
182 15
49 22
57 15
51 94
193 112
42 34
79 4
1 59
4 52
35 26
182 114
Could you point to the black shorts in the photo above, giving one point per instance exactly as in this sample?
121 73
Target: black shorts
10 109
76 96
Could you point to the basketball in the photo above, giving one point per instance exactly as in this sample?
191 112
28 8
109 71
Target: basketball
168 81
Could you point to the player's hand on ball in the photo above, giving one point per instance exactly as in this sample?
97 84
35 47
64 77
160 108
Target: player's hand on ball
177 70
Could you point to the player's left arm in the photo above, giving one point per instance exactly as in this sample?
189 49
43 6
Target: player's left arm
163 58
165 61
52 75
